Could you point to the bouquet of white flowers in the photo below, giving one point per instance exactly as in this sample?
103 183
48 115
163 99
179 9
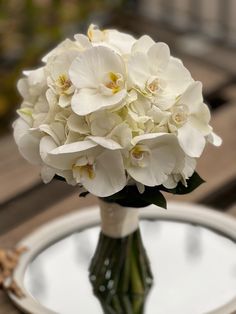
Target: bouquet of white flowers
117 116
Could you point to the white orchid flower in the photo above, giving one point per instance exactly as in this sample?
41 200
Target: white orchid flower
44 109
99 75
183 175
33 111
99 170
56 130
47 111
155 74
153 158
28 143
34 146
144 117
31 129
31 88
81 43
47 144
58 79
143 44
120 42
34 107
78 124
190 118
36 82
105 128
109 130
48 173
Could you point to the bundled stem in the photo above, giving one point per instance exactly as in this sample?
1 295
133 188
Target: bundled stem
120 274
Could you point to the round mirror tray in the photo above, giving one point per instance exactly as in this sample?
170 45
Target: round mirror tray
192 251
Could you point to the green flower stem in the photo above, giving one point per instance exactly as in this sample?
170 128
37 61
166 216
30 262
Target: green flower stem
138 305
120 274
127 266
136 281
128 308
145 271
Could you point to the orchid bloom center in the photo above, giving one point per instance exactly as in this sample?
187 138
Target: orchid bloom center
63 82
88 170
138 155
113 83
84 168
180 114
153 85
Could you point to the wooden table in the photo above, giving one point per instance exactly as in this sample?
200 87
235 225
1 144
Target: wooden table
26 203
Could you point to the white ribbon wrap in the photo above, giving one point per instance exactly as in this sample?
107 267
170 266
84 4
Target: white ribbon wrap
118 221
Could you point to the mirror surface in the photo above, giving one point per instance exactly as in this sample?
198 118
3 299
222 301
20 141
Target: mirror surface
194 270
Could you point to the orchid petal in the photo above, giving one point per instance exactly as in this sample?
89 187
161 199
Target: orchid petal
191 140
105 142
87 101
192 96
177 76
63 157
47 173
88 68
143 44
109 175
159 57
138 69
214 139
47 144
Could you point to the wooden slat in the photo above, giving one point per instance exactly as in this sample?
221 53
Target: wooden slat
6 307
225 58
62 207
33 202
232 210
230 92
16 174
210 76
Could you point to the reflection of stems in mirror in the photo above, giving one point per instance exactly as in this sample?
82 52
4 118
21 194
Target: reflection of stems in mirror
120 274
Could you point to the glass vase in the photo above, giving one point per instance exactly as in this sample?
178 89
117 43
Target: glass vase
120 271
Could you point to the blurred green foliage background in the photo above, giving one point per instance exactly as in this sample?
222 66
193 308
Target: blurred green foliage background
29 28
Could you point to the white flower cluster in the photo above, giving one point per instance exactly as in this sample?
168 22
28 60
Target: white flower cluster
107 110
